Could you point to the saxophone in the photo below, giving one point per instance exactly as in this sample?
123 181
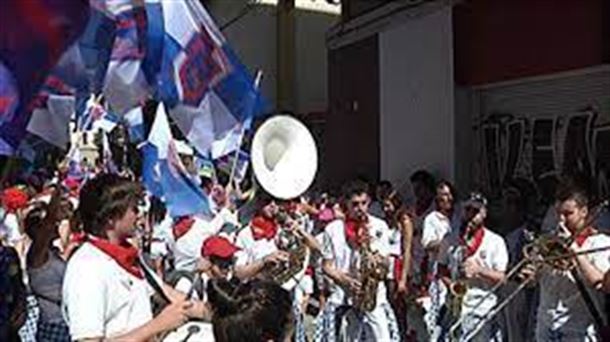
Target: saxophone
458 286
370 273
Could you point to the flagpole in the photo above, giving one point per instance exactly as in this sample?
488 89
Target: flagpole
257 81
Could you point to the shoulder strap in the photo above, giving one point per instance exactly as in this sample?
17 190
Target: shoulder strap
152 280
595 314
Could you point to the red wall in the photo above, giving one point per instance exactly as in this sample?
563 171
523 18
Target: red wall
498 40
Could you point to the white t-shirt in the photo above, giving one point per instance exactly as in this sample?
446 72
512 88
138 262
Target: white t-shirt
336 248
14 233
187 249
436 226
492 254
252 250
561 304
162 238
100 298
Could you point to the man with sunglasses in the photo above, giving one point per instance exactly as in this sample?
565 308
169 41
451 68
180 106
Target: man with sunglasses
477 260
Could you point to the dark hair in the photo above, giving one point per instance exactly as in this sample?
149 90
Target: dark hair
400 210
424 177
444 182
569 191
354 188
258 310
103 198
157 210
34 218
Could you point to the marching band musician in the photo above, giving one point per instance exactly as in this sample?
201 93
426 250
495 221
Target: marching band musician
343 241
106 296
479 259
563 312
261 247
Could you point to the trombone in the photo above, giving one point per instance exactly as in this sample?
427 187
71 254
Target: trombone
538 252
500 306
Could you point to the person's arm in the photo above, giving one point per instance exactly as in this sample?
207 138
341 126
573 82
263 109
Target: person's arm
340 278
489 275
173 316
473 268
38 253
250 270
308 239
407 237
591 274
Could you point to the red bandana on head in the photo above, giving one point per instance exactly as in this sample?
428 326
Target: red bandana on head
473 241
263 228
125 255
182 227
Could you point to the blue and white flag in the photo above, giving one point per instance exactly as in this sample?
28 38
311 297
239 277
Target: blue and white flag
228 164
125 85
166 177
207 90
135 125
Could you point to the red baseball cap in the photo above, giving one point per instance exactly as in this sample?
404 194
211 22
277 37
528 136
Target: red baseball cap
218 246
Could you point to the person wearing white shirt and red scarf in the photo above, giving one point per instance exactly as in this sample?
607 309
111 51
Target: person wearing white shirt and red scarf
341 253
478 259
259 248
105 294
563 314
188 233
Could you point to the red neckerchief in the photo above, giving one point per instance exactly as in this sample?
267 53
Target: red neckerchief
263 228
78 237
353 234
473 242
182 227
582 236
124 254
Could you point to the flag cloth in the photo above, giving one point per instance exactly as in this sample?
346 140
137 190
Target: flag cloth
125 85
33 37
225 164
135 125
164 174
207 90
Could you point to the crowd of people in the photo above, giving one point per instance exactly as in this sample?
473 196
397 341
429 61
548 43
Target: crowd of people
94 257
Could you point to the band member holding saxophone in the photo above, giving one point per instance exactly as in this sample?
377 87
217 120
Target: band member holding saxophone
564 313
355 257
476 262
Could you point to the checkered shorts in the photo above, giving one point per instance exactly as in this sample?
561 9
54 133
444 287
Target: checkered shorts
53 332
27 333
325 325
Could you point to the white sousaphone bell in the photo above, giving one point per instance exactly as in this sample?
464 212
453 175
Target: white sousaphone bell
284 157
285 161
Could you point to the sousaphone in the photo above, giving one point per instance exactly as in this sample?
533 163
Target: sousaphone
285 161
284 157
